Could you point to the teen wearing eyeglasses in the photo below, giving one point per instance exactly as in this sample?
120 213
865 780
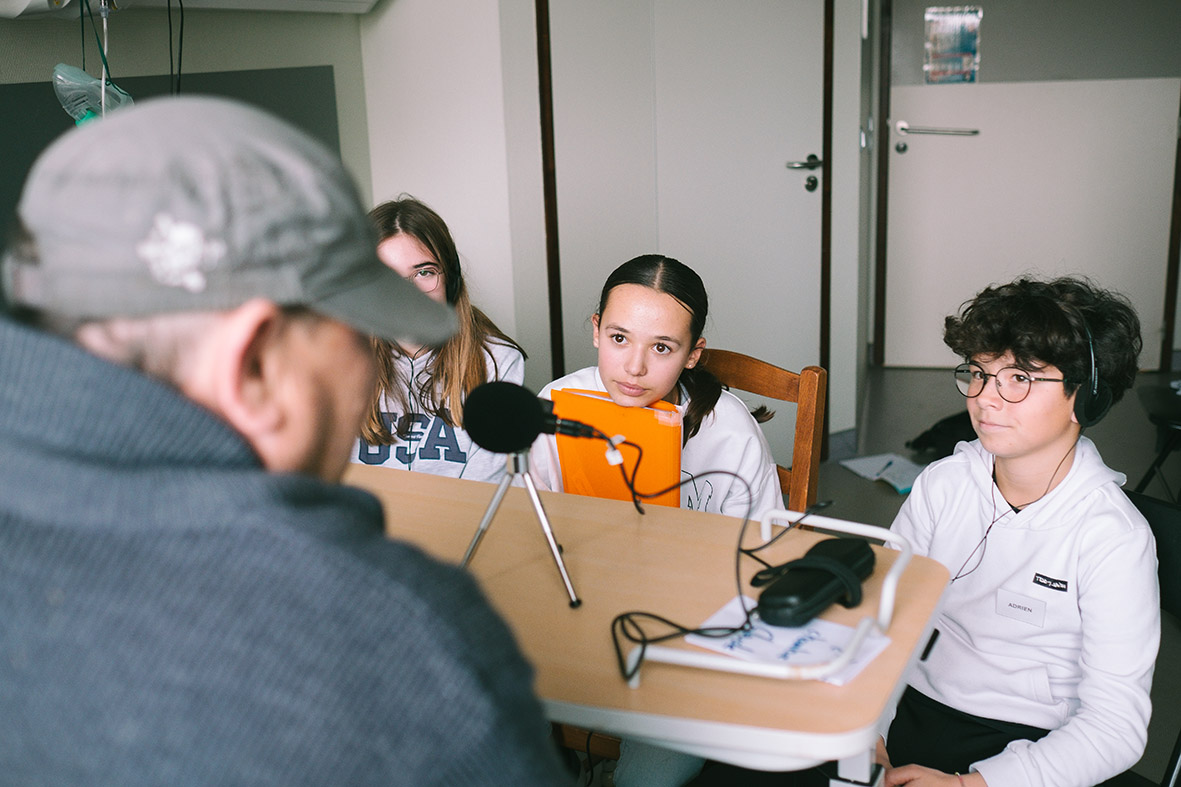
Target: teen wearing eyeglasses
416 422
1049 630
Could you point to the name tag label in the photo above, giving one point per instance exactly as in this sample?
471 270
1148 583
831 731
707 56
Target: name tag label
1022 608
1050 582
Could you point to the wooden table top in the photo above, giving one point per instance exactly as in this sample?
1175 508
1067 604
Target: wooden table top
675 563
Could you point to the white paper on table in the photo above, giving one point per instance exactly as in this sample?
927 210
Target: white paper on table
815 643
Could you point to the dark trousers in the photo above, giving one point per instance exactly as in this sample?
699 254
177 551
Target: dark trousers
930 733
924 731
717 774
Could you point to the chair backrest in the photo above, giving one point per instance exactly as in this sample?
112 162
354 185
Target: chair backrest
806 389
1165 520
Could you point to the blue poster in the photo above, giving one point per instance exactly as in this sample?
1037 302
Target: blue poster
952 44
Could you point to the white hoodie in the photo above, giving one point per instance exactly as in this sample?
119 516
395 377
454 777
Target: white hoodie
432 446
729 439
1059 625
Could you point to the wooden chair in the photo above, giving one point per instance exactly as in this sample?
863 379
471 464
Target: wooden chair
806 389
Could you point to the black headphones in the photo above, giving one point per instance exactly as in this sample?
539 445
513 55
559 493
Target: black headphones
1093 399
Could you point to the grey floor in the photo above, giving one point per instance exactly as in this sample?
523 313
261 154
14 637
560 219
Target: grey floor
902 403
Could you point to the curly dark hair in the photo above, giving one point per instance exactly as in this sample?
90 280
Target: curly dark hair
1047 323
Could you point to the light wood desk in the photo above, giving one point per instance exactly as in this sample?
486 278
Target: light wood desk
675 563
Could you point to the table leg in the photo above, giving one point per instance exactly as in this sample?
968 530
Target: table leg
860 770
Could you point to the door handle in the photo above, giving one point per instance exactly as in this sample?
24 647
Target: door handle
813 162
906 128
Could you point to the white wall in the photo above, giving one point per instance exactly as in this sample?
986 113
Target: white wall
526 200
213 41
605 152
440 110
438 98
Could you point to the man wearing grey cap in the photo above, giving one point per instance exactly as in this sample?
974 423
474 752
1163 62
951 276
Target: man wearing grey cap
187 595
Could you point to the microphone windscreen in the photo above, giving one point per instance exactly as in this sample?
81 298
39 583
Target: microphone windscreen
503 417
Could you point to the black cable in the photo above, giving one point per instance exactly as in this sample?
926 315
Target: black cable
171 62
180 46
590 760
630 481
175 75
627 625
98 40
82 27
812 509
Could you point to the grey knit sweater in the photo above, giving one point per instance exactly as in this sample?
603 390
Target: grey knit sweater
170 613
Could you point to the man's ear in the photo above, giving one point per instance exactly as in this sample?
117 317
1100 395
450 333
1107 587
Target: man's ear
241 368
695 355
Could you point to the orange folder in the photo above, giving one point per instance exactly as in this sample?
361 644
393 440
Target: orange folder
655 428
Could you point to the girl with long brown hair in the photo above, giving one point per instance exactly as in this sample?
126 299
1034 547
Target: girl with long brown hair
416 422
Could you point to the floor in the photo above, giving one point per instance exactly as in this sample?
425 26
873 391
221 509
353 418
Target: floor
902 403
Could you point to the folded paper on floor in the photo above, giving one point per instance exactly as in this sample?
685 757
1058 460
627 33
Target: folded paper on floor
897 471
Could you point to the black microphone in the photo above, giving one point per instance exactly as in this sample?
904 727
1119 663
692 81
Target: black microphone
506 418
555 425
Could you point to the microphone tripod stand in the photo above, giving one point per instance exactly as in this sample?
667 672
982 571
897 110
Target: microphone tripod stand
517 464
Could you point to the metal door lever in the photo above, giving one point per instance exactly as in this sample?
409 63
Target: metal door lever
906 128
813 162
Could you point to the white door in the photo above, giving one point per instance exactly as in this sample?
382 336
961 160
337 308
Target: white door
1062 178
739 94
674 121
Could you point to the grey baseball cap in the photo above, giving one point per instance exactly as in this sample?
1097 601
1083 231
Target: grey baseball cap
199 204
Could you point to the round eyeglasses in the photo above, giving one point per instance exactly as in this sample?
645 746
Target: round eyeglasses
1012 383
426 278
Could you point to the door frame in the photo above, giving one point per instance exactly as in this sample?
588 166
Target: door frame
881 143
1171 269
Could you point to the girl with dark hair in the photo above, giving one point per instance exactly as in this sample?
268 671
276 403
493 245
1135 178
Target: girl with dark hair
647 329
416 422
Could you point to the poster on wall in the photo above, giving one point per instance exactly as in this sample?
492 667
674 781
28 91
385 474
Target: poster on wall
952 44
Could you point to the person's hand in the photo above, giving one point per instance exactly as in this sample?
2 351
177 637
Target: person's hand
918 776
880 756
